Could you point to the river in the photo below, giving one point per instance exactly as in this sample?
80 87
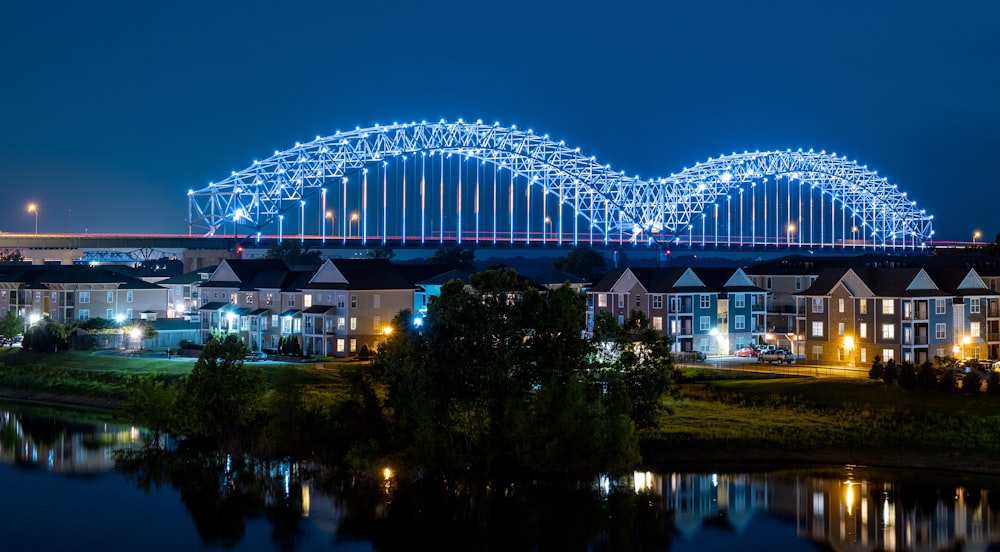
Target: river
71 480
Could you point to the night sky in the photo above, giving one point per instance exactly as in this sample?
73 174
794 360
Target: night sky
111 110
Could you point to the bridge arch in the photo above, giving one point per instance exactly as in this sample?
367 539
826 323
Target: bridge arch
527 189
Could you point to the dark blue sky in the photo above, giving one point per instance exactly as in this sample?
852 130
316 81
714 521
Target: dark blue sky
114 109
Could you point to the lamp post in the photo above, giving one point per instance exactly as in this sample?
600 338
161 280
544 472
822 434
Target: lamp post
354 218
33 208
975 236
965 341
849 348
791 231
329 217
548 226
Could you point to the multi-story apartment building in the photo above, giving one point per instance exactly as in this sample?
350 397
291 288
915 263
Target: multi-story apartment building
68 293
335 309
712 310
183 292
912 314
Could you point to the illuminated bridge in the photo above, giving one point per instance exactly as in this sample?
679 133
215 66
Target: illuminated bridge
476 184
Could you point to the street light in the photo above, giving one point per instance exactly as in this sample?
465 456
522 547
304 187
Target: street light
548 222
965 341
975 236
329 217
849 347
33 208
354 218
791 230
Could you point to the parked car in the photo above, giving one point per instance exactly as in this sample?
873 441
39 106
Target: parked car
776 356
255 356
746 352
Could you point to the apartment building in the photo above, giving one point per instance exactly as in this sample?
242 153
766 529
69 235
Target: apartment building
913 314
712 310
68 293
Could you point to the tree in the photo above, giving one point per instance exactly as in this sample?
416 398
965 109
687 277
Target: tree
485 379
907 375
294 254
639 358
150 403
584 261
382 253
10 325
926 376
890 372
877 369
45 336
12 258
221 395
456 256
972 382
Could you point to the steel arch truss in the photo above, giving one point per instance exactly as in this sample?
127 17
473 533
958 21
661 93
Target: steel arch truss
607 202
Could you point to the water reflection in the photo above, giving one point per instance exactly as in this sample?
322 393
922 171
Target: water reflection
238 502
62 444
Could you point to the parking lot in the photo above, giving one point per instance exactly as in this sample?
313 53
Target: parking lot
798 368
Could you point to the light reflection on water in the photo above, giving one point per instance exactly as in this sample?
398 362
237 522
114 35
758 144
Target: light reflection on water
235 502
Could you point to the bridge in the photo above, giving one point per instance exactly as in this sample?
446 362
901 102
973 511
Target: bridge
476 184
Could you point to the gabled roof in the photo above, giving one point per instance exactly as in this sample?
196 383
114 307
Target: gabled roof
40 276
444 277
415 273
553 277
193 277
357 274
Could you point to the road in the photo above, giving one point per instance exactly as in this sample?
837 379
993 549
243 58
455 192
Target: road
750 364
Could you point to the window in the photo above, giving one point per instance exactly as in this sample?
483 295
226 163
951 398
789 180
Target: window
658 323
307 300
84 296
864 355
249 299
974 305
939 352
377 324
939 306
739 322
377 301
817 304
705 301
354 323
863 330
817 352
704 323
340 300
798 283
638 300
128 314
767 285
863 306
840 328
602 300
888 331
128 296
83 314
940 331
888 306
888 354
817 329
341 323
674 304
354 345
974 330
739 300
703 347
340 345
291 301
111 296
269 300
840 304
110 315
657 301
621 300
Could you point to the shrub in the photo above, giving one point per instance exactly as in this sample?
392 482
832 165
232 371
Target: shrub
993 383
948 381
890 373
972 382
907 376
876 370
926 376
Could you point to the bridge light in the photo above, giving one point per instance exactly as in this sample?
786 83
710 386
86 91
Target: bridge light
479 121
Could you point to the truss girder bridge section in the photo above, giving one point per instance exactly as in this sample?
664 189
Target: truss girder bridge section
618 207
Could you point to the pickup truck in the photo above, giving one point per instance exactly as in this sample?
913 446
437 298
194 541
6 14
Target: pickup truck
776 356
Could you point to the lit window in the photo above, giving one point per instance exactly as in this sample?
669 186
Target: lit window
888 331
974 305
940 331
705 301
939 306
84 296
863 330
739 322
704 323
863 306
739 300
817 329
602 300
888 306
817 304
658 323
974 329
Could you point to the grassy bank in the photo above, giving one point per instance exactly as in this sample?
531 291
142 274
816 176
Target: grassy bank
838 420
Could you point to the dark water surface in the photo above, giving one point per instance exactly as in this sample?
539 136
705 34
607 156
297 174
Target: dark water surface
61 488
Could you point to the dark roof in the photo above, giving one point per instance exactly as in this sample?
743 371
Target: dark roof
419 272
192 277
364 274
38 276
557 277
289 312
319 309
215 305
174 324
442 278
258 312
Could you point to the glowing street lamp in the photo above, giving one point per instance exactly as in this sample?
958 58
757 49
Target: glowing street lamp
548 223
849 348
354 218
790 232
975 236
33 208
329 217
